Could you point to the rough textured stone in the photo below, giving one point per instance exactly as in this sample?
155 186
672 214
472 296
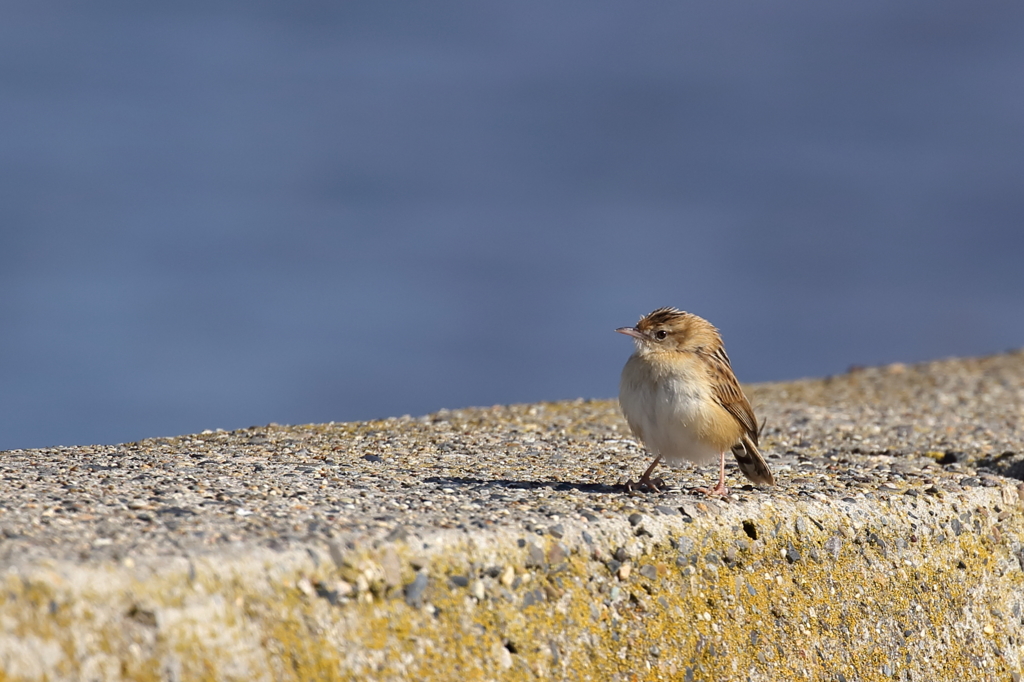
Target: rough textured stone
891 549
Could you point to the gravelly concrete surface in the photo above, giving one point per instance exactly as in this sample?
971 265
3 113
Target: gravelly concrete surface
500 543
949 424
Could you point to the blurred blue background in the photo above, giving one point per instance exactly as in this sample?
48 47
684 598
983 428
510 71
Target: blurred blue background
217 214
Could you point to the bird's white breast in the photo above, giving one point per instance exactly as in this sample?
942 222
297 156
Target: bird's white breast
666 407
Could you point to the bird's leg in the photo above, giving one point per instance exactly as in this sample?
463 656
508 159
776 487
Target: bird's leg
645 480
719 490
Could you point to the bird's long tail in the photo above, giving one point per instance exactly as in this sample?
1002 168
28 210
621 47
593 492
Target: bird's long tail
751 462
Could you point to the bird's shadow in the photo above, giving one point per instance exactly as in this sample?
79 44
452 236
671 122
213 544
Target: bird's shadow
588 488
670 491
465 481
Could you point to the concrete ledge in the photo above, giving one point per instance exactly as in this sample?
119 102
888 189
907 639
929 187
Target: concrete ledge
495 544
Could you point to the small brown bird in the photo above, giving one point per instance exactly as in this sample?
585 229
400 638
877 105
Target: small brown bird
682 401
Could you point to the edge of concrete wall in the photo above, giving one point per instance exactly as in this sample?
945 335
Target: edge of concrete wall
914 584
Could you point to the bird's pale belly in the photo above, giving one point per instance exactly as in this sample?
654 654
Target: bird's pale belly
669 419
677 443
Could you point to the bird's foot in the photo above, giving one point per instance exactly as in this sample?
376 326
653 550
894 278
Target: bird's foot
718 491
647 484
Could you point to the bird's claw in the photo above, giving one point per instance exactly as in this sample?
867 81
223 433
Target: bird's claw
647 484
718 491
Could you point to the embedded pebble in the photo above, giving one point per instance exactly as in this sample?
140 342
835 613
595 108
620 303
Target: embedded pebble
535 556
556 554
414 590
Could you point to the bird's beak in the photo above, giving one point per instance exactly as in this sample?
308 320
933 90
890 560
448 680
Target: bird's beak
632 331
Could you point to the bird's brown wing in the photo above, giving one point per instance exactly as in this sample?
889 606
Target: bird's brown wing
727 391
729 395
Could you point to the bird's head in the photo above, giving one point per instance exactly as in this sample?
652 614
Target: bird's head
669 330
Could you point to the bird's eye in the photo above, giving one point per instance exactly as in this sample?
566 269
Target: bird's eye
660 334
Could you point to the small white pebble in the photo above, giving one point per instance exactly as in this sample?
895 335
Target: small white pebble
507 576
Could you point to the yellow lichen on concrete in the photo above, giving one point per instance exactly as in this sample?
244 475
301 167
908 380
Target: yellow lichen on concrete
495 544
851 590
701 599
863 614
